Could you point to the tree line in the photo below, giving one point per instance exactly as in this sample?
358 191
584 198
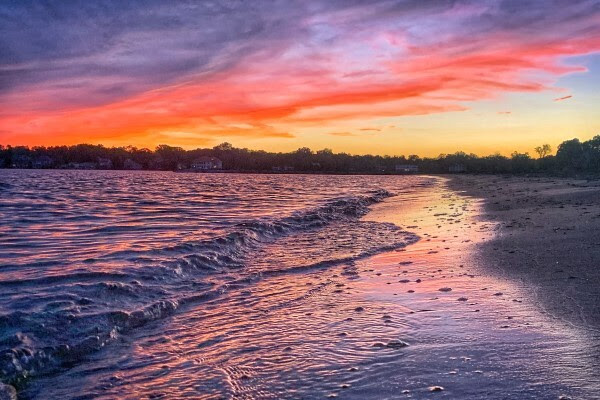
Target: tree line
572 156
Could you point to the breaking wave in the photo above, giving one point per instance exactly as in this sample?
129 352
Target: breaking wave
83 311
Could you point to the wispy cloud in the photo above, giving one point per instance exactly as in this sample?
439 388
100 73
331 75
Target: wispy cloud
563 98
344 134
220 68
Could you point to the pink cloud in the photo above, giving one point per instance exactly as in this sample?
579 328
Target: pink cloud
562 98
348 75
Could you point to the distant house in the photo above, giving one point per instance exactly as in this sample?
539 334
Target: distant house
132 165
42 162
285 168
82 165
206 164
104 163
21 161
457 168
407 168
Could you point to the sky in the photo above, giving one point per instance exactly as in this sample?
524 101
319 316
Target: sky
384 77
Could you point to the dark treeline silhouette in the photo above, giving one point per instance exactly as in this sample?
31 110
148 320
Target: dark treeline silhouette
572 157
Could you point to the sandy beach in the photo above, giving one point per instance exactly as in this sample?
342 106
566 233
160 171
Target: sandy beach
548 237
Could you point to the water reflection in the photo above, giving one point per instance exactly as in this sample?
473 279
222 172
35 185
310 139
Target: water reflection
340 329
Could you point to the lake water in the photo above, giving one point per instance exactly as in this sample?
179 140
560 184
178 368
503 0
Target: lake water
165 285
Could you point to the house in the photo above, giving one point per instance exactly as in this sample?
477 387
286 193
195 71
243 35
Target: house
104 163
82 165
21 161
132 165
206 164
42 162
457 168
407 169
285 168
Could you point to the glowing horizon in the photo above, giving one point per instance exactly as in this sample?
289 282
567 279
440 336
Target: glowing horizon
408 77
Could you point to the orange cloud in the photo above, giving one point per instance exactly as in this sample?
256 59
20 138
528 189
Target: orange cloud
345 134
271 94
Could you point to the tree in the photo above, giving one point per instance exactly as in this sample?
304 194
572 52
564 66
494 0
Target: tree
168 157
225 146
305 151
572 156
325 152
543 150
569 154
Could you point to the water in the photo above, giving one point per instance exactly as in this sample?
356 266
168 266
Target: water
164 285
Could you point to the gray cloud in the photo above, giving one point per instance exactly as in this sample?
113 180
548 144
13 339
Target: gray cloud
94 52
144 44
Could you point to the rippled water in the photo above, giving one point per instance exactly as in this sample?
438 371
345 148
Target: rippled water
89 256
164 285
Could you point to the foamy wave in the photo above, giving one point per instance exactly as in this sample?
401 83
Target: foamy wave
45 341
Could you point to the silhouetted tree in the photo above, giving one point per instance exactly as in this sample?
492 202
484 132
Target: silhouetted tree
168 157
572 156
543 150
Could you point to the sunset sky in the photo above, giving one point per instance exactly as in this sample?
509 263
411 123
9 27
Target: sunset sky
387 77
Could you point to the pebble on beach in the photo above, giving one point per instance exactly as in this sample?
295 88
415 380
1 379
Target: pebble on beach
392 344
7 392
436 388
396 344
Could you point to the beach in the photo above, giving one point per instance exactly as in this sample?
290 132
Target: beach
306 287
548 237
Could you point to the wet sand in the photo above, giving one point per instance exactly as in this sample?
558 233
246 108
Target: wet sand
548 237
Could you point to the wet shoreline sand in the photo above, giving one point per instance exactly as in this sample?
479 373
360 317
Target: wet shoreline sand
548 237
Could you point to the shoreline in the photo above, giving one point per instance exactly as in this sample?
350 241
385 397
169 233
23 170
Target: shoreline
547 238
402 323
230 171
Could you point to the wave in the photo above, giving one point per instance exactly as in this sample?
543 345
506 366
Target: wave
45 341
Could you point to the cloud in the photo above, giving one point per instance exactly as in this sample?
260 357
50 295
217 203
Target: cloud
98 52
110 69
342 134
563 98
504 112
